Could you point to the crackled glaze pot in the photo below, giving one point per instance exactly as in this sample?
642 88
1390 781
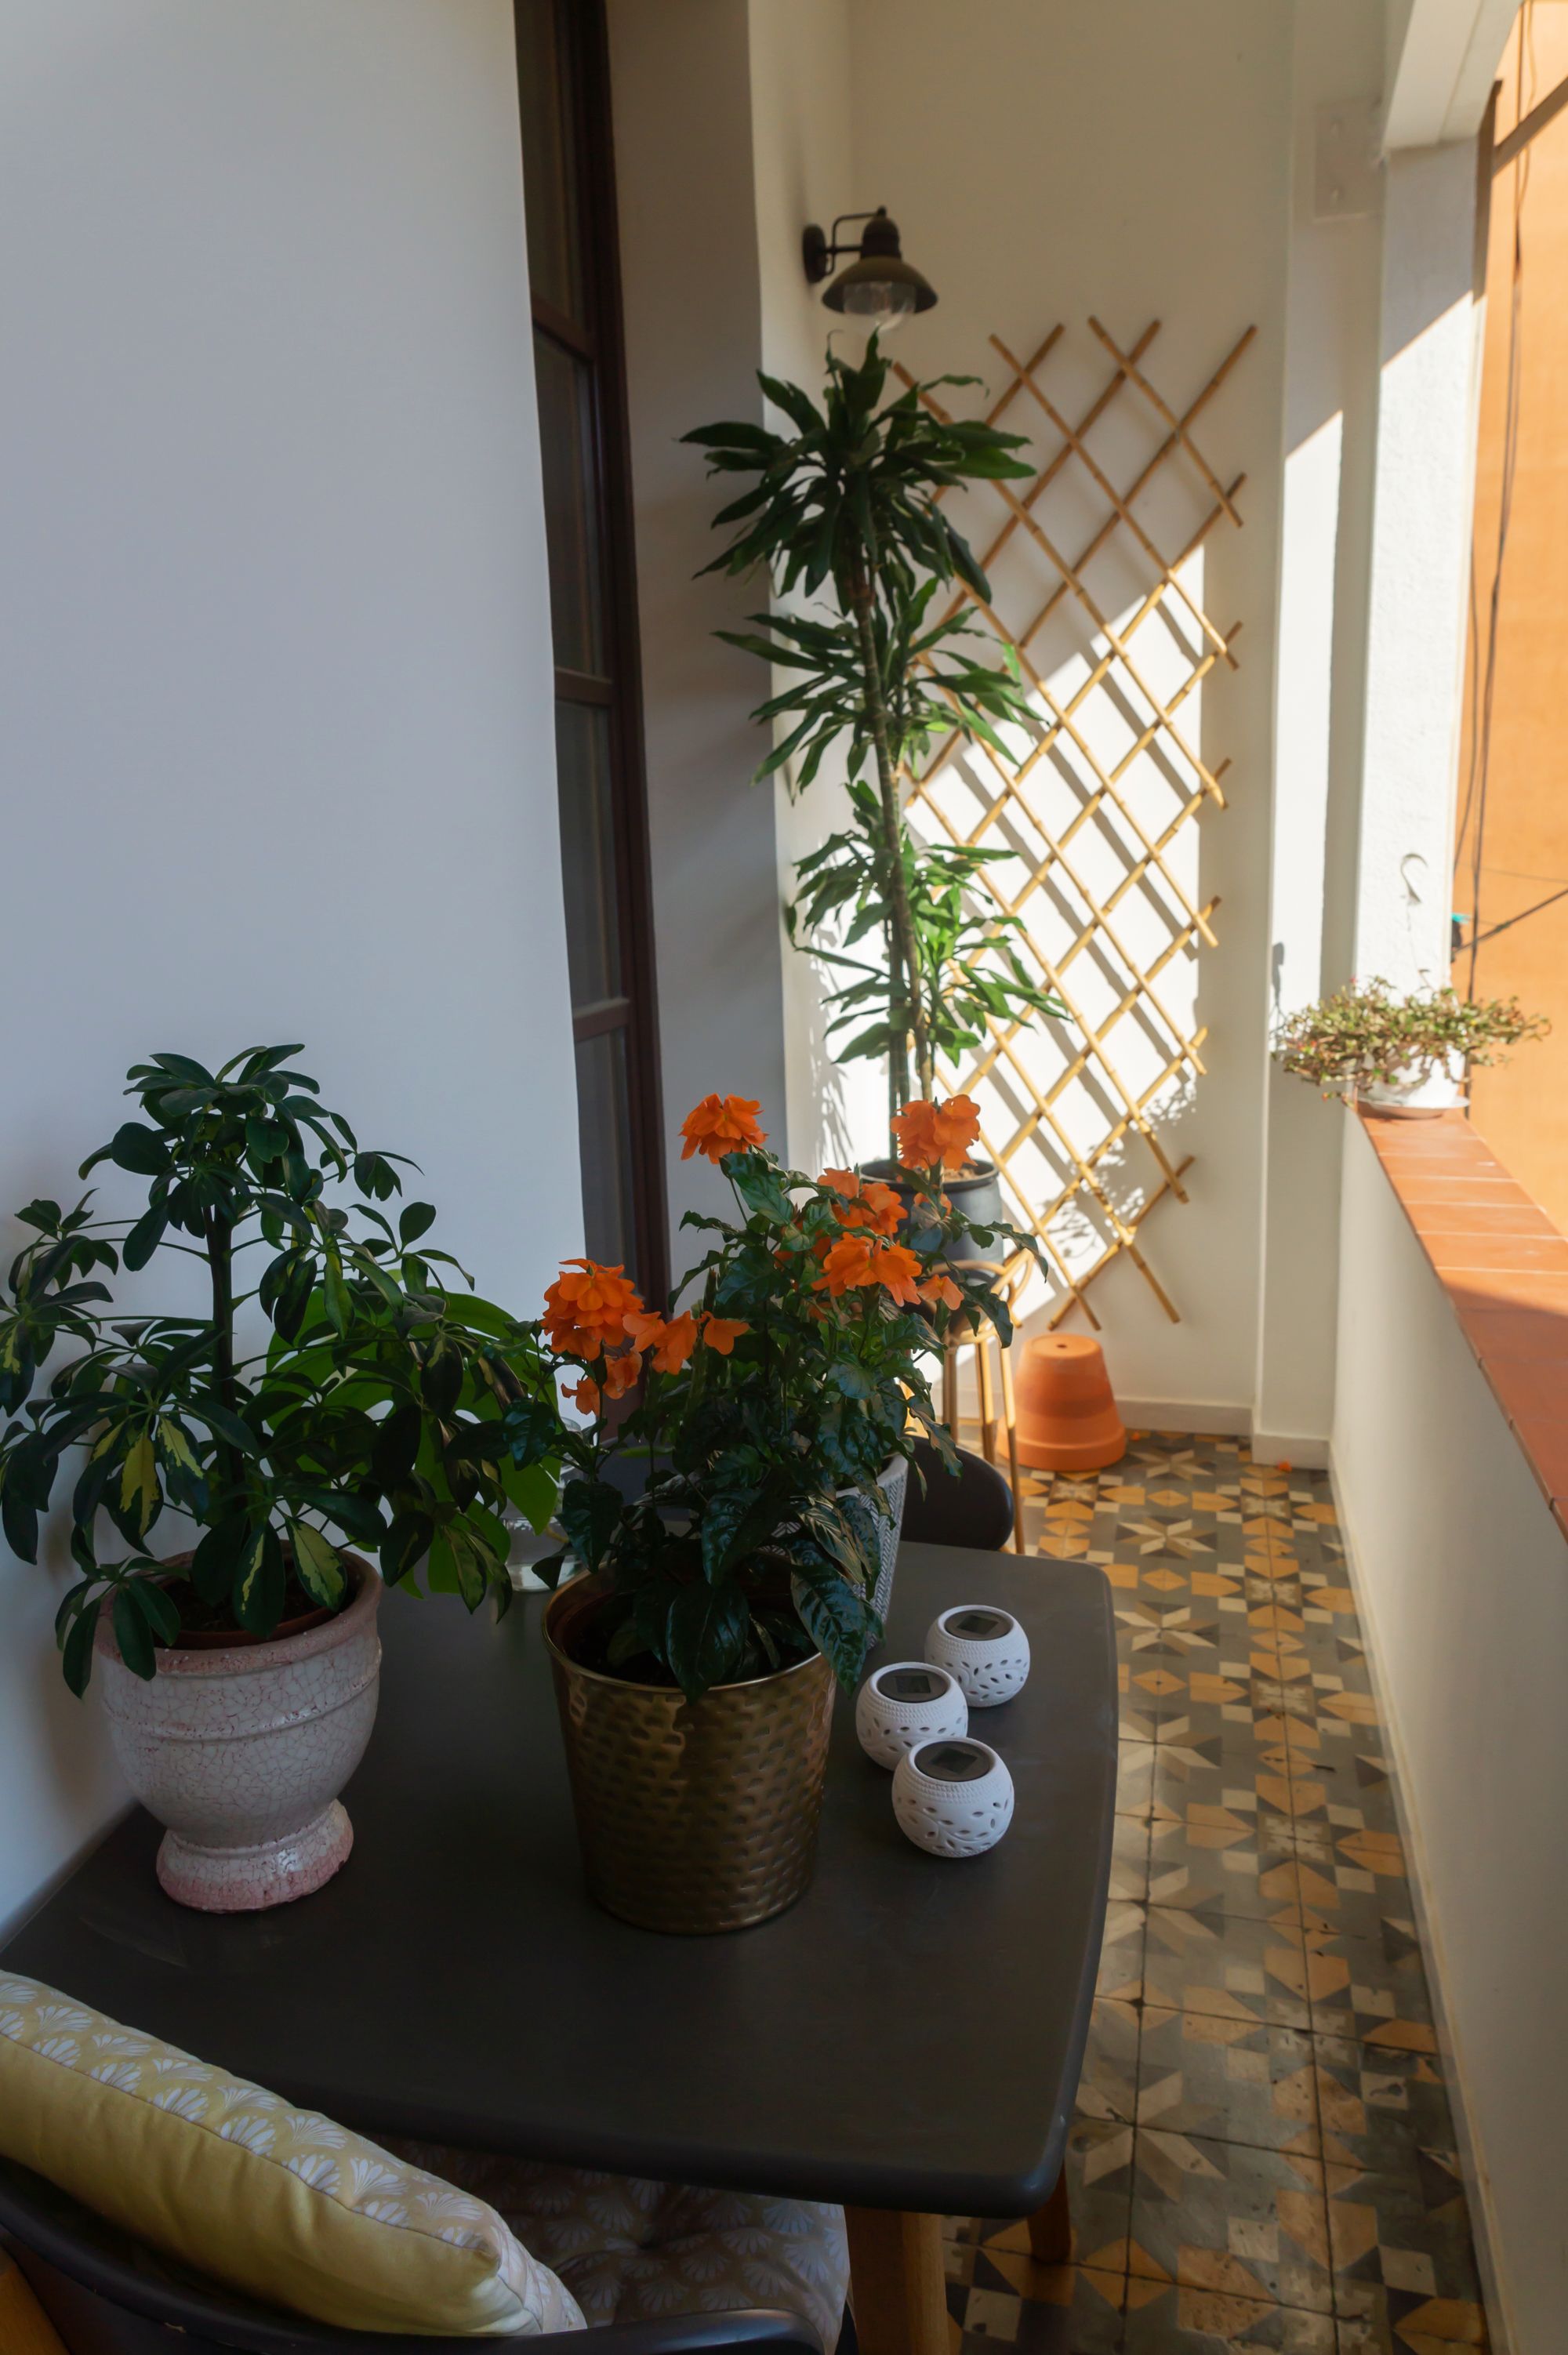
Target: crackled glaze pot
240 1753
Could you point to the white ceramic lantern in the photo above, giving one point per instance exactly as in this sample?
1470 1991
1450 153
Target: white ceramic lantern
986 1649
907 1702
953 1797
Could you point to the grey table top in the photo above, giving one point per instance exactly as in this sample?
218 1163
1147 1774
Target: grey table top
908 2036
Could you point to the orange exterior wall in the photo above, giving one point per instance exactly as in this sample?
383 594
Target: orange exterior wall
1521 1106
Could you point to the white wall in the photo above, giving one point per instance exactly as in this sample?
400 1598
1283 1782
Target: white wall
275 708
1330 399
1460 1573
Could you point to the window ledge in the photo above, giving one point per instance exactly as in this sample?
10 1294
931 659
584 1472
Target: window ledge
1504 1266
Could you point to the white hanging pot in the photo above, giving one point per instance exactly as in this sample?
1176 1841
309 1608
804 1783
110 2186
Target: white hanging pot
1419 1091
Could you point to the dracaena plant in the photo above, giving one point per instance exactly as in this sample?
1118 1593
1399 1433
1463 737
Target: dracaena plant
846 507
763 1406
1366 1033
372 1413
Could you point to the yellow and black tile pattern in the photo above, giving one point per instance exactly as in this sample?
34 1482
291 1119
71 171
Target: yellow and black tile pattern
1263 2155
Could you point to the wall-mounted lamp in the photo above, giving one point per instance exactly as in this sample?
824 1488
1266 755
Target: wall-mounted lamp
879 286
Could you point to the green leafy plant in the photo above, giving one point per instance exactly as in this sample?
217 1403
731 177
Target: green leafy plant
847 505
372 1417
765 1410
1366 1034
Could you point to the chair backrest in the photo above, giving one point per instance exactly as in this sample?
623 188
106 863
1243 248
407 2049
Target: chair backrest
973 1507
106 2296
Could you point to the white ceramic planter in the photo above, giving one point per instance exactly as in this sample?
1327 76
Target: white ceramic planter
1419 1092
240 1753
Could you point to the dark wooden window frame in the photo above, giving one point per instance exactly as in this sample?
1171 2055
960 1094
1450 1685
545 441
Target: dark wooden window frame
619 690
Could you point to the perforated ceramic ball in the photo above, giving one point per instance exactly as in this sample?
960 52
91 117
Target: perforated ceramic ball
890 1723
950 1803
986 1649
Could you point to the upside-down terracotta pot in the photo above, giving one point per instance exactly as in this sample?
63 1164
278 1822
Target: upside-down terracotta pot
242 1750
1067 1419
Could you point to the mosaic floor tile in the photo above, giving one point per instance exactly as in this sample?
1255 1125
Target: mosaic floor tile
998 2294
1228 1855
1262 2155
1230 2080
1176 2319
1233 2219
1227 1968
1372 1989
1379 2111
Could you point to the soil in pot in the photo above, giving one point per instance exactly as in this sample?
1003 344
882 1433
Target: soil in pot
212 1626
976 1189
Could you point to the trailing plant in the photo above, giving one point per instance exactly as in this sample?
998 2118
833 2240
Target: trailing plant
766 1406
374 1415
847 503
1366 1034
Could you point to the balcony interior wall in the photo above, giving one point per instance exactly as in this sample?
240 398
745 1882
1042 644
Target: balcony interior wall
1459 1565
277 717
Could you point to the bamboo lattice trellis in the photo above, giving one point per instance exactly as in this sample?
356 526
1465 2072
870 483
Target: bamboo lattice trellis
1096 815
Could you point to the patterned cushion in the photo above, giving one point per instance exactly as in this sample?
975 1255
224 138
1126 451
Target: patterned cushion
630 2251
274 2201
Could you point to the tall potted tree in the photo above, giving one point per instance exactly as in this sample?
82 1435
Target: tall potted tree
240 1670
846 509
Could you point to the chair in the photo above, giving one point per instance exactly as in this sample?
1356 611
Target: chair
106 2296
974 1508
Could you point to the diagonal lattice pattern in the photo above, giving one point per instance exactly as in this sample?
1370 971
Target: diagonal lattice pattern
1095 814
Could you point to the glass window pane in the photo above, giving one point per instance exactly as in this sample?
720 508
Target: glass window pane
588 852
571 504
604 1137
550 158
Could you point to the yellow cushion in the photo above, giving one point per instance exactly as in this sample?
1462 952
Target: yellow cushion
24 2328
274 2201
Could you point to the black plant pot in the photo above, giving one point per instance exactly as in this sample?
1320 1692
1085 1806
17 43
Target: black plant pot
976 1191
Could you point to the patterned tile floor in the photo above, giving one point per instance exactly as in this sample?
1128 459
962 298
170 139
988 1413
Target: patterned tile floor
1262 2155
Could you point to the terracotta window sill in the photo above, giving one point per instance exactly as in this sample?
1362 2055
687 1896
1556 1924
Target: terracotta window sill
1504 1266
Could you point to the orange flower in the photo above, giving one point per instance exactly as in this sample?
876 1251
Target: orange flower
929 1134
671 1340
862 1260
586 1309
721 1334
622 1374
867 1201
940 1291
721 1125
586 1395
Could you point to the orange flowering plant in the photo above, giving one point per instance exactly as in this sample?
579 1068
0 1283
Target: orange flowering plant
732 1510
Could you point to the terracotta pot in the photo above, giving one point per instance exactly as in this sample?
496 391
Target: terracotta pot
240 1753
692 1816
1067 1419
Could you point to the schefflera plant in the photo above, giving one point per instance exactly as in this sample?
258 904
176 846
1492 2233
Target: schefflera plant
375 1414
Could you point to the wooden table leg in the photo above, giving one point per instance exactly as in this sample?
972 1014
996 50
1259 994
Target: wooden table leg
898 2282
1051 2228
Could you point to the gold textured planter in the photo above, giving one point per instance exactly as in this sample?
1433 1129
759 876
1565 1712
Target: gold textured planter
692 1815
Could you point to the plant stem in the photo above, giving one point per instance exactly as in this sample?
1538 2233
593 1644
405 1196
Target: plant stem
902 923
220 1260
